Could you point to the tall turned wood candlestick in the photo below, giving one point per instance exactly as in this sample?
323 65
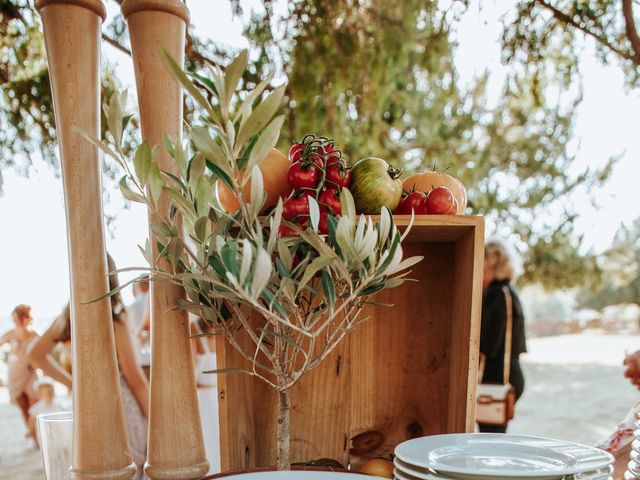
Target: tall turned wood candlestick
72 38
176 446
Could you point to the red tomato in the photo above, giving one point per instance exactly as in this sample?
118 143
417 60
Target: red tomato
330 197
416 201
338 174
286 231
295 207
303 176
440 201
331 154
295 152
323 224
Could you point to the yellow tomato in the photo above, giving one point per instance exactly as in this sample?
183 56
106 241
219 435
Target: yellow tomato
378 467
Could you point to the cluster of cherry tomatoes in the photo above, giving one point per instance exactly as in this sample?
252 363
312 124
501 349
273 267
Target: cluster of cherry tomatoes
438 201
318 170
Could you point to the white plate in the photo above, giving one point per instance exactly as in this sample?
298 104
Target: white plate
295 475
486 456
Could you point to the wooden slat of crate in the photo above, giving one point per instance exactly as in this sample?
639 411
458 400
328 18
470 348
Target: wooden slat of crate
409 371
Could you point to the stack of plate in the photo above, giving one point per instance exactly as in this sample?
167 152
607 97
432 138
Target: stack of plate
633 468
489 456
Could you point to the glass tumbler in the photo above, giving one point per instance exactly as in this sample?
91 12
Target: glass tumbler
55 434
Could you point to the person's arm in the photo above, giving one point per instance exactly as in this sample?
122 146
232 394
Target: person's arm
142 333
6 338
39 355
131 370
494 322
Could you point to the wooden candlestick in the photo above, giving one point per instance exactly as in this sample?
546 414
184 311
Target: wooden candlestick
72 38
176 446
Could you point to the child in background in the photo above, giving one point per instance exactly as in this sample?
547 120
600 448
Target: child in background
46 404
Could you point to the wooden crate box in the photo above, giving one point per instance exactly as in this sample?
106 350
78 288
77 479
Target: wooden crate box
409 371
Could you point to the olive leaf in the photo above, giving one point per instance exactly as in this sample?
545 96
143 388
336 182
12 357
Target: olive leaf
261 116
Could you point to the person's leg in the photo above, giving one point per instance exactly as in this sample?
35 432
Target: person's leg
23 404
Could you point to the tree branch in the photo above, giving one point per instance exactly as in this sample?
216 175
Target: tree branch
630 26
114 43
568 19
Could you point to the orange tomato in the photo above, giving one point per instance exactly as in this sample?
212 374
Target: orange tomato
426 181
274 170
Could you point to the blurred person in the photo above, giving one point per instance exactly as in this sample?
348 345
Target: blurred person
22 376
133 383
618 442
46 404
138 311
499 272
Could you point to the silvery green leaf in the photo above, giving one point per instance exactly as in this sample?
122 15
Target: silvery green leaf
245 109
196 170
233 73
146 250
348 207
114 116
180 156
155 182
207 145
314 212
101 145
168 144
274 225
314 267
406 263
128 193
247 259
257 191
285 254
261 272
328 288
201 228
384 226
218 81
204 193
261 116
408 229
161 230
181 203
266 141
189 85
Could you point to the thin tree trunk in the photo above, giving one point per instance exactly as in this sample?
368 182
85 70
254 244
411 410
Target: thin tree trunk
283 439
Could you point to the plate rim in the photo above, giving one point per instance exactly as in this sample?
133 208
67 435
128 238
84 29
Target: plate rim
576 468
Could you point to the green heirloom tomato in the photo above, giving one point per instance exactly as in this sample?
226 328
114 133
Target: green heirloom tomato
375 184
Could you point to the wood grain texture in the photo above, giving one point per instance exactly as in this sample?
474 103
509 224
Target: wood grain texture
176 447
409 371
72 38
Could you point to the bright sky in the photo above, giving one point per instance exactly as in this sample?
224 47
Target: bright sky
33 252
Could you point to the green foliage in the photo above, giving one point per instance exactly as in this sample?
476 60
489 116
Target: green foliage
544 35
380 79
309 289
620 265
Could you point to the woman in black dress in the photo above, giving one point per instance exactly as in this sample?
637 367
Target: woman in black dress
499 273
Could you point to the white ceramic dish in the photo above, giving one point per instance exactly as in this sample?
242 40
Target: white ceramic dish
487 456
417 473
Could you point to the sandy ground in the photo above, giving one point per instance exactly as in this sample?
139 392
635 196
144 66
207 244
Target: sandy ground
575 391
